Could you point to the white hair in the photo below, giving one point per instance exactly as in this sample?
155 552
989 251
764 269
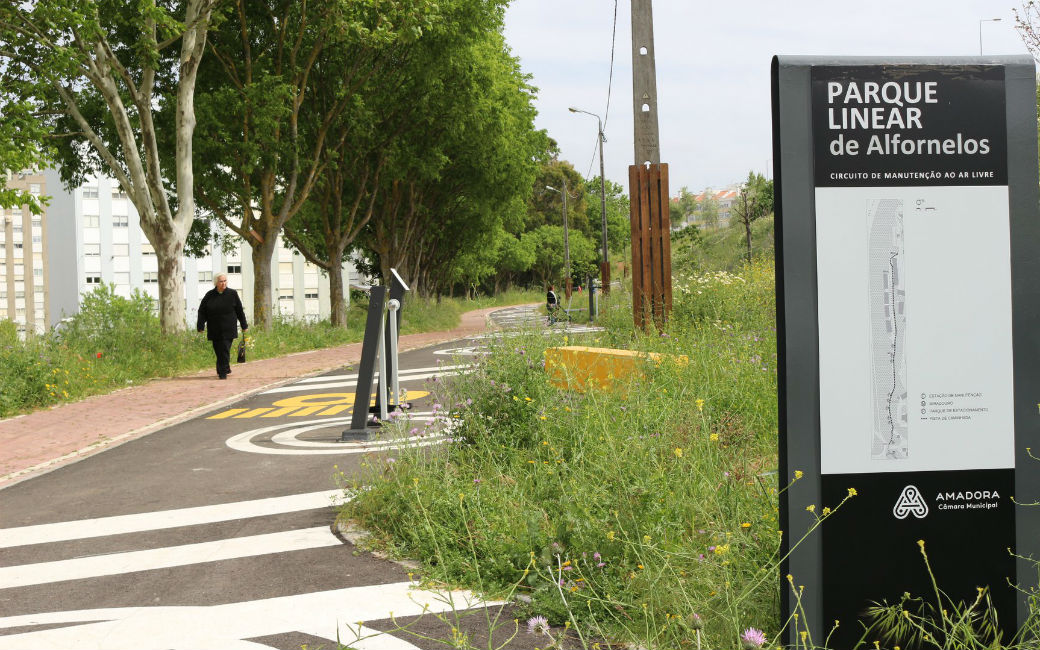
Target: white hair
216 278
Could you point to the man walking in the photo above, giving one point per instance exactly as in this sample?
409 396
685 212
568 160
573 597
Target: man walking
219 314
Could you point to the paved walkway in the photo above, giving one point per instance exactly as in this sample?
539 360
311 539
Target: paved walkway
41 441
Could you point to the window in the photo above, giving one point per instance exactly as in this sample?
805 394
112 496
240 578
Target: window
121 278
234 268
37 239
285 294
118 193
205 276
90 192
37 273
151 277
120 221
93 279
37 221
147 249
34 189
92 250
121 250
311 294
91 221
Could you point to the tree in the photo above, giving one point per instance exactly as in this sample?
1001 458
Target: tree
754 202
258 116
709 209
619 226
547 243
87 82
464 165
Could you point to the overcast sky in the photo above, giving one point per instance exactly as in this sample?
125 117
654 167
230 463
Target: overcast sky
713 68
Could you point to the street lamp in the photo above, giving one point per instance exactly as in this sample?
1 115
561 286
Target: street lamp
566 240
985 20
604 269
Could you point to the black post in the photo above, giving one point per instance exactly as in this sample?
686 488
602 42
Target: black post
369 350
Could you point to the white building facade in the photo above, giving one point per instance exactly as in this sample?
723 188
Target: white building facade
92 236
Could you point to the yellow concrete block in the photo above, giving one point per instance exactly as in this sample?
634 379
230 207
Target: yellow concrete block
577 367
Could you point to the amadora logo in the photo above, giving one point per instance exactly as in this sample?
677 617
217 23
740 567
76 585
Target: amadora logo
910 501
968 500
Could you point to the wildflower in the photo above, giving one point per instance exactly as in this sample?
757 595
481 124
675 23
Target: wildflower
852 492
610 535
752 638
695 621
538 625
798 474
476 481
700 405
678 452
646 539
745 525
714 437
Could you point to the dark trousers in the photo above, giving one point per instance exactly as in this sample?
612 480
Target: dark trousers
222 348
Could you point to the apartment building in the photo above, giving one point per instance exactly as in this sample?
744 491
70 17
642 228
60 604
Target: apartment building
91 236
24 260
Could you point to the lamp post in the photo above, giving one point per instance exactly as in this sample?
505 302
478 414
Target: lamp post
604 268
985 20
566 240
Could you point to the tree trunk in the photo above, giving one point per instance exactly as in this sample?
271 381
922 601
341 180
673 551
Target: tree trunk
262 299
168 252
747 235
338 315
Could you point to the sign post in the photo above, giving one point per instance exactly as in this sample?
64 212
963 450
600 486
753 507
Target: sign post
907 231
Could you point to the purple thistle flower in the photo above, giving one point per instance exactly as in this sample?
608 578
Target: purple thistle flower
752 638
538 625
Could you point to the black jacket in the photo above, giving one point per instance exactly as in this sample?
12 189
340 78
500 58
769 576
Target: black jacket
219 312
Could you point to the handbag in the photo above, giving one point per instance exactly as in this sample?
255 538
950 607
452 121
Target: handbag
242 351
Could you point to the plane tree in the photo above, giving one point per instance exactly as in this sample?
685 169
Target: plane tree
86 84
263 130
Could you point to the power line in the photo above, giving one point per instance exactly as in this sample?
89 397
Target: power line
610 85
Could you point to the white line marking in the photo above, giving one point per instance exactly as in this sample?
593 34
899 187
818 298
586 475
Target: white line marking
325 614
244 440
163 558
346 384
120 524
401 373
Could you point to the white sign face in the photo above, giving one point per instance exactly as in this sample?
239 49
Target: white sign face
914 289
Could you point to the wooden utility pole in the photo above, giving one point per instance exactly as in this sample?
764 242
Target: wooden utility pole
648 183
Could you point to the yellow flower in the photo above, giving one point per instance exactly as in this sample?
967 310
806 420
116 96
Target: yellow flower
700 404
852 492
811 508
678 452
528 399
610 535
745 525
798 474
826 511
646 539
714 437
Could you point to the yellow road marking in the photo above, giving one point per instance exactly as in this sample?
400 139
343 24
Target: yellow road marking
254 412
226 414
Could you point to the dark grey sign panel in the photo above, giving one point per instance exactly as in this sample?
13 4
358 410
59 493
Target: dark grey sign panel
906 234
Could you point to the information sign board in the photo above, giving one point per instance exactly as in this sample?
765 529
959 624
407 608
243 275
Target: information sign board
907 230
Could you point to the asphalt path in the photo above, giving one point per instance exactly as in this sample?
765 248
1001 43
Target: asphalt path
219 532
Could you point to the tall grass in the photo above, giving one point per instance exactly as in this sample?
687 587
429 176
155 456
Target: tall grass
639 507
